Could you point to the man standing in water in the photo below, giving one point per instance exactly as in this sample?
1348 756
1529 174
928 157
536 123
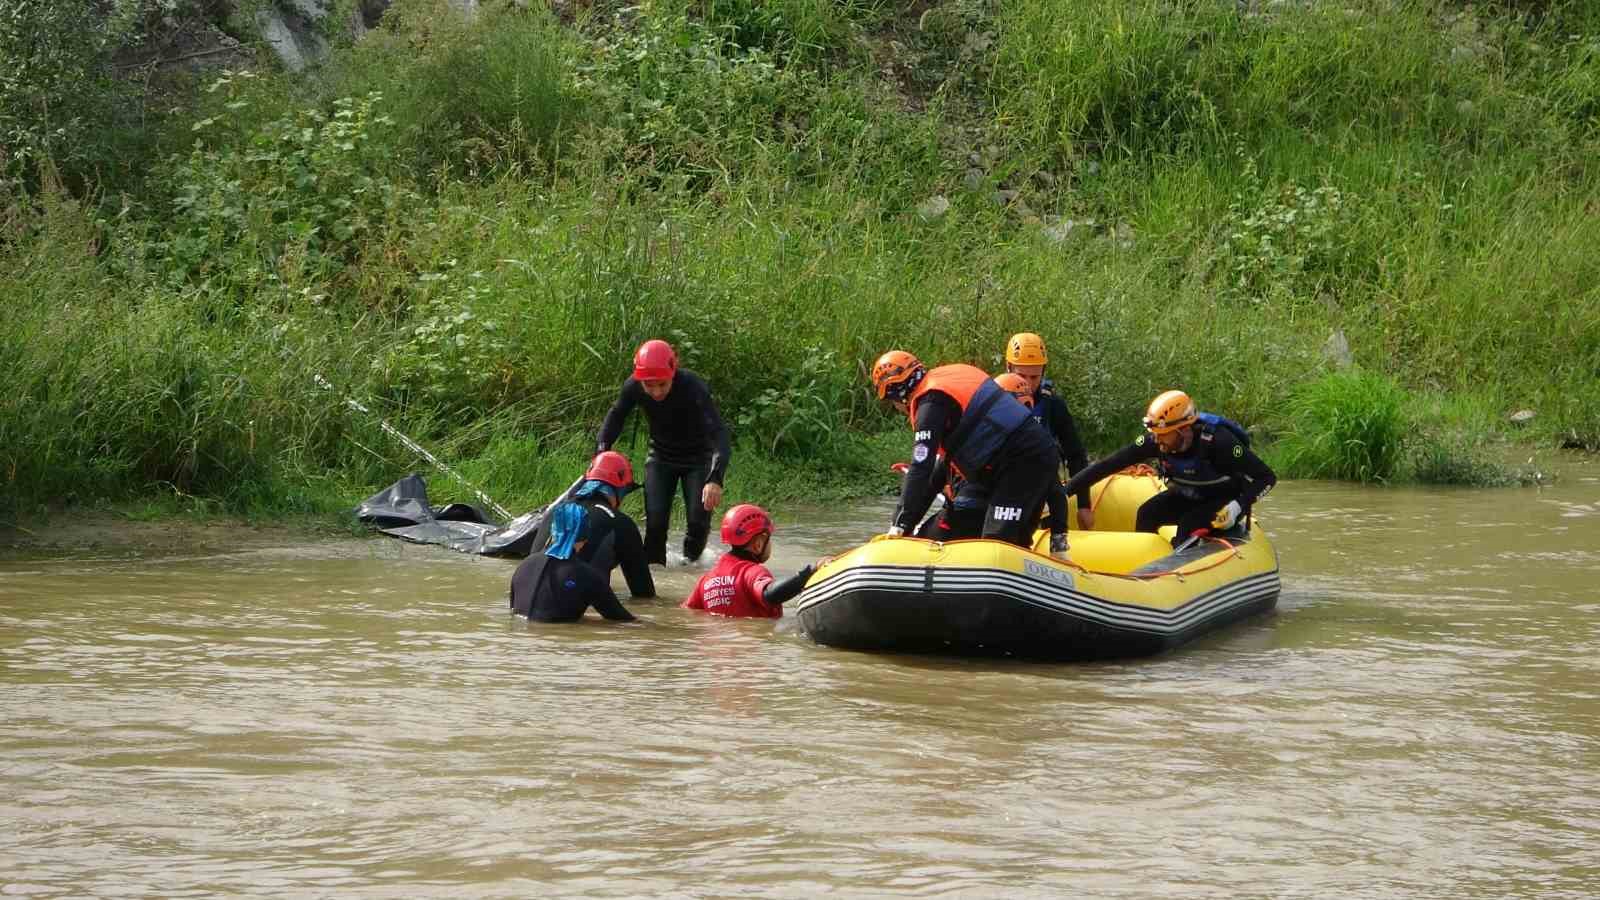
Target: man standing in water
689 446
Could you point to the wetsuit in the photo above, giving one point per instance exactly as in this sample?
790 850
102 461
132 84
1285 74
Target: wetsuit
1216 469
739 586
1050 410
614 541
689 447
965 502
546 589
991 438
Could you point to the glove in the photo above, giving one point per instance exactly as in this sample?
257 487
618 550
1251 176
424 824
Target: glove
896 531
1058 545
1226 516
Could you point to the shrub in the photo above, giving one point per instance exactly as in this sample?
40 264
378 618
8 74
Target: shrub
295 197
1348 426
466 96
1454 461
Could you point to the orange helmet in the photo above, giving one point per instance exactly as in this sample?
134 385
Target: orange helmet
1026 349
1169 412
1016 386
896 374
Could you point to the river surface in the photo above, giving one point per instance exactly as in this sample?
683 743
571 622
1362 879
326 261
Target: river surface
362 718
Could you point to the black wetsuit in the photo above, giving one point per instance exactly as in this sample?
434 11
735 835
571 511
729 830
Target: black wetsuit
962 515
613 541
1050 410
1017 476
689 447
559 590
1216 469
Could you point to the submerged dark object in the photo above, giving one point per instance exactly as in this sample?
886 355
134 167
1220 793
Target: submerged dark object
402 510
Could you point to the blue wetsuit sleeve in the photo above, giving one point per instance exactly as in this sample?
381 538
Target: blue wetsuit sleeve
933 417
611 428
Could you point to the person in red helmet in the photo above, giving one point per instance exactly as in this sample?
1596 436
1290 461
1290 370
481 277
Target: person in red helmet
739 585
613 537
689 446
988 436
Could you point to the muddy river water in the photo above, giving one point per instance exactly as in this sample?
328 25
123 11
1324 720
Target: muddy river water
362 718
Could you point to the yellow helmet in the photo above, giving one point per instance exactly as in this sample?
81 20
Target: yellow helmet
1014 385
1168 412
1026 349
896 374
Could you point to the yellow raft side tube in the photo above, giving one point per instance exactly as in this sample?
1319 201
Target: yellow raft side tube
1120 593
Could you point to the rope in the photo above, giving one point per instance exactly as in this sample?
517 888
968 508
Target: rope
1136 470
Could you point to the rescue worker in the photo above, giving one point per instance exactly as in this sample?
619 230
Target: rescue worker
961 517
965 501
1026 357
554 585
1213 477
689 446
613 538
989 438
1055 500
739 585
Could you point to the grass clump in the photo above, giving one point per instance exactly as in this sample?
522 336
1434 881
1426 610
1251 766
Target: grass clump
1347 425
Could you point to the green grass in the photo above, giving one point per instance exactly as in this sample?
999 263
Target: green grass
1347 425
469 227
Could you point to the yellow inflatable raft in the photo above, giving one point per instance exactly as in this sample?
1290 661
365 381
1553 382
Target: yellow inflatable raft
1121 593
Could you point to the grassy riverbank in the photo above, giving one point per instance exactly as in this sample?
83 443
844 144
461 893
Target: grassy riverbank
469 226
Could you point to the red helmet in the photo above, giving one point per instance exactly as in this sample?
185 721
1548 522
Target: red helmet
654 361
741 524
612 468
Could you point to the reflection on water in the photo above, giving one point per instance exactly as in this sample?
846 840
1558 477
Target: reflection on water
1419 718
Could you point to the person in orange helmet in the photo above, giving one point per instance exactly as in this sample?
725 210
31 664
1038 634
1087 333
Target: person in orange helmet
1213 477
986 434
689 446
1026 358
740 585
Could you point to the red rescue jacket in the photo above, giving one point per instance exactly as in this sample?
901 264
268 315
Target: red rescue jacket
734 587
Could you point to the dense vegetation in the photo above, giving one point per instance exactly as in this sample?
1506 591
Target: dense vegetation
469 226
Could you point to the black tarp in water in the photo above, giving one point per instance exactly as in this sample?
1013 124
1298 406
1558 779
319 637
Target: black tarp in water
402 510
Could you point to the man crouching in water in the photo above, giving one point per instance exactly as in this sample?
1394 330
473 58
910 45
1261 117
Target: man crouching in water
739 585
554 585
990 439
